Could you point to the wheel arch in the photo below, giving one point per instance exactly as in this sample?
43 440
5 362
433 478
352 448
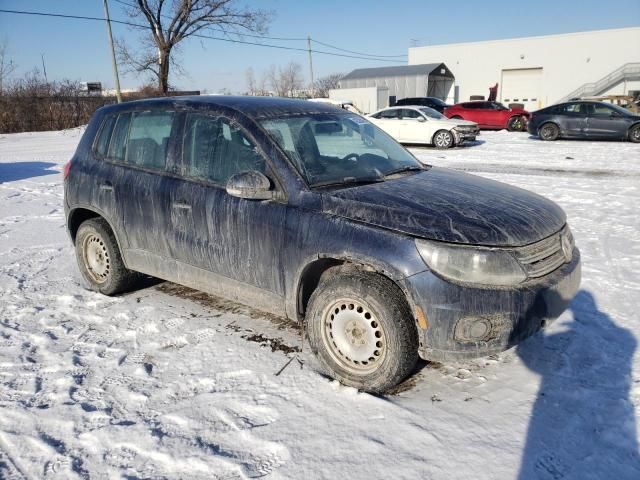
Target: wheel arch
78 215
449 131
311 274
631 127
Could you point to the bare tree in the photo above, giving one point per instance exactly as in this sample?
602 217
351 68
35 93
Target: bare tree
291 78
251 81
7 66
172 22
324 84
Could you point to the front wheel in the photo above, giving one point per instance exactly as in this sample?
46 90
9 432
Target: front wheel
362 331
634 134
549 132
443 139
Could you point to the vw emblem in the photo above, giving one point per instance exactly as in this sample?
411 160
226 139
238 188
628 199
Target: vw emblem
565 244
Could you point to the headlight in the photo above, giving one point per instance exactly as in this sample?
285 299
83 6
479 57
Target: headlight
466 264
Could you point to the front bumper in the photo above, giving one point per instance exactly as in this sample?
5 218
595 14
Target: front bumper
455 314
469 136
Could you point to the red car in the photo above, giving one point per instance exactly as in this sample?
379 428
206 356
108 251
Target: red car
490 115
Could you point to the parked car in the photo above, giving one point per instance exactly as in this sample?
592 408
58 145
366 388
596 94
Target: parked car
381 258
490 115
416 124
431 102
583 119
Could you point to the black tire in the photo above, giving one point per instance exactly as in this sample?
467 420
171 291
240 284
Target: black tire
549 132
443 139
634 134
369 307
516 123
105 272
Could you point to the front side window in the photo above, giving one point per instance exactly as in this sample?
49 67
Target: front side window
148 139
214 149
336 149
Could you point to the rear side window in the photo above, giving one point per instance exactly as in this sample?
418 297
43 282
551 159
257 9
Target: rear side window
102 145
149 138
118 144
214 149
569 108
408 113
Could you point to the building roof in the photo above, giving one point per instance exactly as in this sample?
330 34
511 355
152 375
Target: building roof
400 70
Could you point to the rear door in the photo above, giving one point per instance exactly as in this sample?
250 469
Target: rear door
605 122
572 119
145 183
389 121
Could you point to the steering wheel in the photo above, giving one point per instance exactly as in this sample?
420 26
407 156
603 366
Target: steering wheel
351 160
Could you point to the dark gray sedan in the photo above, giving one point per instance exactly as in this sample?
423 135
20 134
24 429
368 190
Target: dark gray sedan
583 119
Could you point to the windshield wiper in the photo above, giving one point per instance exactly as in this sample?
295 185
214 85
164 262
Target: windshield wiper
406 168
349 181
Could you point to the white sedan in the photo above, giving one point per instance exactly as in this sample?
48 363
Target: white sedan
418 124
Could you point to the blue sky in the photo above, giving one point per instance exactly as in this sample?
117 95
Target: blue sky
78 49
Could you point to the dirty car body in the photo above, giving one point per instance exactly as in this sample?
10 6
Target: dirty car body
297 193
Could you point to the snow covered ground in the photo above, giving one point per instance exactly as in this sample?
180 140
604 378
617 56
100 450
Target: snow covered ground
168 383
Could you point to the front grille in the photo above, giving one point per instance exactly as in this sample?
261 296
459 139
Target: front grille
543 257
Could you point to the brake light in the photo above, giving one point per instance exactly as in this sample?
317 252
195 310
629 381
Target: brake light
65 170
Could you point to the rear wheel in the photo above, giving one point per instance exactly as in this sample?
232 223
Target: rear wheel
361 329
515 124
99 258
549 132
634 134
443 139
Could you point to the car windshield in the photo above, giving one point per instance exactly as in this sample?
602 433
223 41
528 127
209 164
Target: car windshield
336 149
431 113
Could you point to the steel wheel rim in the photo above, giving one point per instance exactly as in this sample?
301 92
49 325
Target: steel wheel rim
353 336
96 258
442 139
516 124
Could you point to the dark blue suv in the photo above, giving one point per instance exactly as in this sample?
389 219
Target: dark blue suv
313 213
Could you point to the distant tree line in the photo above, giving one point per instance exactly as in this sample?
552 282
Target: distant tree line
288 81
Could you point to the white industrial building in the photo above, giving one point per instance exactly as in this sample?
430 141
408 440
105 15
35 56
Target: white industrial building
540 71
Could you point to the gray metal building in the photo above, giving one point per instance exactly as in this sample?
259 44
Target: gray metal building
427 80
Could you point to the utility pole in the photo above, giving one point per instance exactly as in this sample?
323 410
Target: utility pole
310 63
44 69
113 52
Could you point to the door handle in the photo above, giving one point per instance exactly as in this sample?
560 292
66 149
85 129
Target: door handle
106 187
181 206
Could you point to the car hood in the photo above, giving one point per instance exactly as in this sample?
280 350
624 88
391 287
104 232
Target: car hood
442 204
454 122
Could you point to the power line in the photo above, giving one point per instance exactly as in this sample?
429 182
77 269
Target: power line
209 37
225 31
351 51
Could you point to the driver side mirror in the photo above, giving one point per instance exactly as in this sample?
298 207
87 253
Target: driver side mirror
251 185
422 119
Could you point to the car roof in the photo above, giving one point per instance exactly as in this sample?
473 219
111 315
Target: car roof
252 107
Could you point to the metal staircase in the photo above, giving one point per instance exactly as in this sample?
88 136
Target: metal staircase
628 71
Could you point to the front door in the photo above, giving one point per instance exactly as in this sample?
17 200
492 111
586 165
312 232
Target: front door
411 130
237 238
605 122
